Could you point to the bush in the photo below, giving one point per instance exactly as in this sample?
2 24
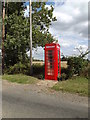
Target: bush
18 68
41 76
76 65
86 72
38 69
63 76
25 69
65 71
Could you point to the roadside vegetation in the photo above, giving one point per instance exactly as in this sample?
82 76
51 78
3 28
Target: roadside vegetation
75 78
74 85
76 66
16 65
20 78
20 68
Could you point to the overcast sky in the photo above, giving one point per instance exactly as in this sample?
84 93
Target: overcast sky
71 27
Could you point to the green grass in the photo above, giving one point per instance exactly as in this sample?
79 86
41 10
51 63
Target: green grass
75 85
20 78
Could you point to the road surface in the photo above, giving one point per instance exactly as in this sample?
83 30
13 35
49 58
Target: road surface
33 101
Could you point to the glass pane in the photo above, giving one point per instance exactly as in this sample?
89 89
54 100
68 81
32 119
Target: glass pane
58 62
50 62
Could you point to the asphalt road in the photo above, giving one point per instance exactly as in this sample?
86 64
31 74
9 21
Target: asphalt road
26 101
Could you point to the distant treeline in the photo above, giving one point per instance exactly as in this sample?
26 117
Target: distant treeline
37 60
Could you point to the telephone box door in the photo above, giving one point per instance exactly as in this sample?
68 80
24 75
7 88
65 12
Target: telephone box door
50 63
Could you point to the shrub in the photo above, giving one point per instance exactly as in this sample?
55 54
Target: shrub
86 72
18 68
65 71
25 69
41 76
38 69
76 65
63 76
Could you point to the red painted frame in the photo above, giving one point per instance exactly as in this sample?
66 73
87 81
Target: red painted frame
54 70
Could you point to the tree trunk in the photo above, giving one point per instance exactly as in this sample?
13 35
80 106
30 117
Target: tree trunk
31 69
3 35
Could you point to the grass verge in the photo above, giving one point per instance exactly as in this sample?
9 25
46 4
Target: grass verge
75 85
20 78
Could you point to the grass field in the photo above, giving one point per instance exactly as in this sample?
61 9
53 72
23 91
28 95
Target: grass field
76 85
63 63
20 78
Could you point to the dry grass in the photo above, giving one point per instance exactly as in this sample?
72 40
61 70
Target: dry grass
63 63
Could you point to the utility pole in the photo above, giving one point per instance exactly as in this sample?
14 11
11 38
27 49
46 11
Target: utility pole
30 9
3 35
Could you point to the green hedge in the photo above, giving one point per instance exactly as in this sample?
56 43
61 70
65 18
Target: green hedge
24 69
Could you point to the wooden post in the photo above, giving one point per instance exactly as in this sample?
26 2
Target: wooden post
3 35
30 9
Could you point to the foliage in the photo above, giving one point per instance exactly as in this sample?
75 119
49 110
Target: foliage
41 76
63 76
64 70
38 69
20 78
0 31
76 65
37 60
75 85
18 68
11 7
17 40
40 39
17 30
86 71
41 20
64 58
42 16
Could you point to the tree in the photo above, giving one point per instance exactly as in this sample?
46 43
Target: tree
17 30
41 20
12 7
82 53
75 66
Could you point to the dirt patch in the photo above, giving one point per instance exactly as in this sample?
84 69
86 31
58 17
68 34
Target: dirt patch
47 83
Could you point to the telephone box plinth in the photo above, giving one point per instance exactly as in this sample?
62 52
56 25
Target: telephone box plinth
52 61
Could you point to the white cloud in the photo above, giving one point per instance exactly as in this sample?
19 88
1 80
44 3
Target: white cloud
77 11
28 8
26 12
83 48
66 42
37 53
71 17
71 27
63 18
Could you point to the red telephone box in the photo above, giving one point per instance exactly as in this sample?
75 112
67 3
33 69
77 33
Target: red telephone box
52 61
